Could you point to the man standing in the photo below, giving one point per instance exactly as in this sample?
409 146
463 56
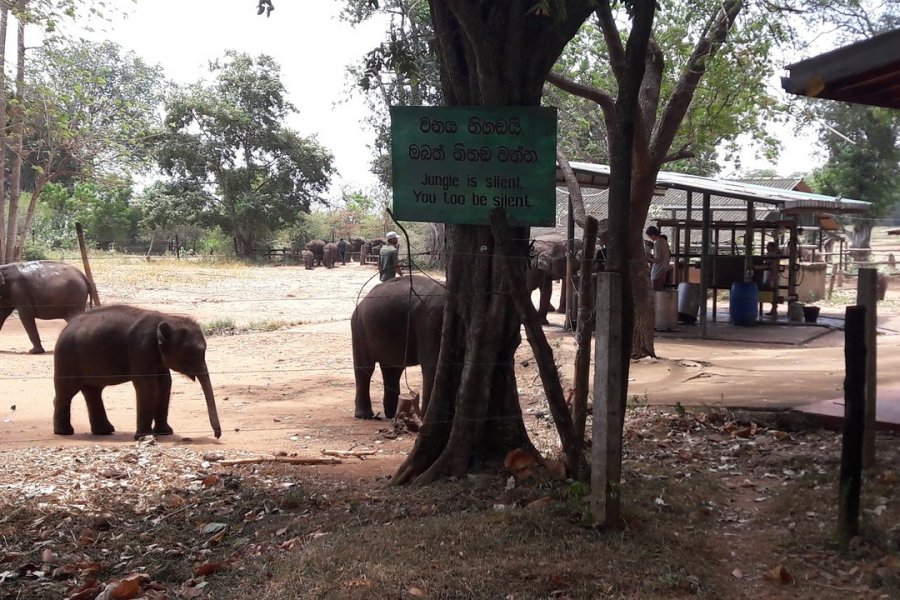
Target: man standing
389 258
342 251
659 261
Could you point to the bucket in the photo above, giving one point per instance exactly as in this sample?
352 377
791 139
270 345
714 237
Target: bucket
743 305
666 307
810 314
795 312
688 301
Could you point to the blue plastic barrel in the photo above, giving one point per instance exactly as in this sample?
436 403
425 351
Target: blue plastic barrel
743 306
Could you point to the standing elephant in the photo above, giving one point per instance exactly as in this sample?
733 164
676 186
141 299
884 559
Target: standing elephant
317 247
371 248
115 344
356 244
397 328
548 264
309 259
330 255
41 289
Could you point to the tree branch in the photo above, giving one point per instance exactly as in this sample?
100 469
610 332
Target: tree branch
717 31
682 153
613 42
574 188
601 98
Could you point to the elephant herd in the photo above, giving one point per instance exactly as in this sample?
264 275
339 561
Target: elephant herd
323 253
397 325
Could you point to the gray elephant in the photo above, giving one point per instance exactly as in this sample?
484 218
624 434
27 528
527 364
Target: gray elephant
115 344
41 289
317 247
309 259
356 244
397 328
330 255
548 264
371 248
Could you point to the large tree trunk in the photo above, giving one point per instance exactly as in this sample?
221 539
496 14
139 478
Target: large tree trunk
643 182
491 54
18 133
4 20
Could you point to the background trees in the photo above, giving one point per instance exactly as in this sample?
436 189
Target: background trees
863 160
227 137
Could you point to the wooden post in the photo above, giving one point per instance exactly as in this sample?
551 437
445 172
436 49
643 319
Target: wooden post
606 474
854 422
177 248
584 328
866 295
567 288
95 298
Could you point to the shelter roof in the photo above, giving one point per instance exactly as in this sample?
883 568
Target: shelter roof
867 72
725 191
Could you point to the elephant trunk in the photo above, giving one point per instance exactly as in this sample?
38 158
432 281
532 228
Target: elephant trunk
206 384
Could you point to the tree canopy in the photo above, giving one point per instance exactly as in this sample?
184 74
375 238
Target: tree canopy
228 137
863 160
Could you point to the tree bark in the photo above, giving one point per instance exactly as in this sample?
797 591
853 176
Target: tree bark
491 54
18 134
4 21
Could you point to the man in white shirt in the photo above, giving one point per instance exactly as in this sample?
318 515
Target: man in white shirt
659 261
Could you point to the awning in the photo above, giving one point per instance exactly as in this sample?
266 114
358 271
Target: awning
867 72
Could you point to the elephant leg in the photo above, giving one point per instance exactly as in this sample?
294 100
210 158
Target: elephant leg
100 424
4 314
363 372
27 319
161 412
62 406
545 307
562 296
391 377
146 391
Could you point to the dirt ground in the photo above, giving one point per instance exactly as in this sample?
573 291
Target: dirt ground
719 506
284 380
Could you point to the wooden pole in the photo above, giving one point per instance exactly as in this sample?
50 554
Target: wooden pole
606 474
584 328
866 296
79 231
854 422
568 288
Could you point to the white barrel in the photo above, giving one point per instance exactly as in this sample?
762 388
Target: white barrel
666 306
688 301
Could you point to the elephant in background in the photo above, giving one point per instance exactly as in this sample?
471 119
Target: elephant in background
330 255
309 259
115 344
356 244
317 247
396 328
548 264
41 289
371 248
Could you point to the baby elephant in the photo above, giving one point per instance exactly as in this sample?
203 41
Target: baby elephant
115 344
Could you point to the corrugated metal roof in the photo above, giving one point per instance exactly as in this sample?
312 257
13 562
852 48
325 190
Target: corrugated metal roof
721 189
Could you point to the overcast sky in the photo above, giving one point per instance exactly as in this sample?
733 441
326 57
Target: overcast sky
304 36
314 49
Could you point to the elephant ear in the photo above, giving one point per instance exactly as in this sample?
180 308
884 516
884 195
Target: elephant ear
164 334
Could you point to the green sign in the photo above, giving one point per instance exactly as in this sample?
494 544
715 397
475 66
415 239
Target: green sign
456 164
